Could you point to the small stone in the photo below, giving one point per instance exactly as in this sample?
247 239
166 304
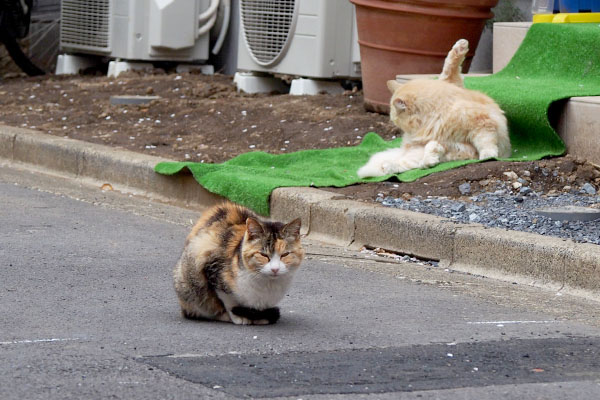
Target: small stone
465 188
526 173
474 218
589 188
522 181
458 207
511 175
519 199
525 190
545 171
567 188
517 185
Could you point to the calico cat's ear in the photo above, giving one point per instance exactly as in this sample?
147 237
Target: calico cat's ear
399 104
254 228
292 229
393 85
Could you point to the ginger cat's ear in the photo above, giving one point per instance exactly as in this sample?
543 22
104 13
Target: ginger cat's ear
399 104
254 228
393 85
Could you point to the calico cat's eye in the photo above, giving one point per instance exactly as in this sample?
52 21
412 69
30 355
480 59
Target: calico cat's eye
285 254
265 256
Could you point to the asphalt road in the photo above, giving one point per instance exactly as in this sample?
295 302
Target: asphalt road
87 311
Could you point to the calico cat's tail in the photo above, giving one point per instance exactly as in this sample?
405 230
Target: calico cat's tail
270 314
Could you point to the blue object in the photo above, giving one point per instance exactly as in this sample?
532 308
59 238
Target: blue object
574 6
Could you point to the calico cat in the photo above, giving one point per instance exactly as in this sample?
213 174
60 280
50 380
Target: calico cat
236 267
441 121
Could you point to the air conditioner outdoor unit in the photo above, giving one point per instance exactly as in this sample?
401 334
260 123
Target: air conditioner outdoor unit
146 30
305 38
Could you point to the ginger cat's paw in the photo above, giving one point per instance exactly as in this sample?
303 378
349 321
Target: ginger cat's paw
433 154
488 153
461 47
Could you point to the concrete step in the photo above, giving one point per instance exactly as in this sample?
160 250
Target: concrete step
576 120
506 40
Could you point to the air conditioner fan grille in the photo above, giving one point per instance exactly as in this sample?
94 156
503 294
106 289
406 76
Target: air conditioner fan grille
267 26
85 24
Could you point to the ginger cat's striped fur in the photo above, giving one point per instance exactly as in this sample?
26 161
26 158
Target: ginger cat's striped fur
236 267
441 121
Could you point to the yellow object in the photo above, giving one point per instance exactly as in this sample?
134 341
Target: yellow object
562 18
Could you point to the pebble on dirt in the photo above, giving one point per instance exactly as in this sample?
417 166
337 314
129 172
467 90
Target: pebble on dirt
465 188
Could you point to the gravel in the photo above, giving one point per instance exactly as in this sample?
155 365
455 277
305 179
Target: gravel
511 211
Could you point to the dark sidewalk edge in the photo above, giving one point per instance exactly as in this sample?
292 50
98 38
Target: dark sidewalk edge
508 255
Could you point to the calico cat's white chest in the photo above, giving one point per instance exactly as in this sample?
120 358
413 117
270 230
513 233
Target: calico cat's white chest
259 291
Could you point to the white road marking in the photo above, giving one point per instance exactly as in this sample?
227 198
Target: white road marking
38 341
196 355
187 355
510 322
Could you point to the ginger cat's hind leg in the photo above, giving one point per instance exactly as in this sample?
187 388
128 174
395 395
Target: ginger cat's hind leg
451 72
486 143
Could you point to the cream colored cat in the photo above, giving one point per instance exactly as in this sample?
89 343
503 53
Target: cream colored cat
441 121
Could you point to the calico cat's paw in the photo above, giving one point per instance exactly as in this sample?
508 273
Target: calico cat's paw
240 320
257 317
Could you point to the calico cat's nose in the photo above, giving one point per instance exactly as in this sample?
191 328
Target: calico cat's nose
274 271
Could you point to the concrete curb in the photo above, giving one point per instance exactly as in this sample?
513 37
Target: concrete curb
519 256
124 170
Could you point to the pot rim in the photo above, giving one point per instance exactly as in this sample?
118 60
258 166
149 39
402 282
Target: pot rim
424 7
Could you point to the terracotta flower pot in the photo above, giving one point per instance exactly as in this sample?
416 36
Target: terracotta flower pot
412 37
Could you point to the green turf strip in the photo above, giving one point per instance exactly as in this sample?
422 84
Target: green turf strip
555 61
